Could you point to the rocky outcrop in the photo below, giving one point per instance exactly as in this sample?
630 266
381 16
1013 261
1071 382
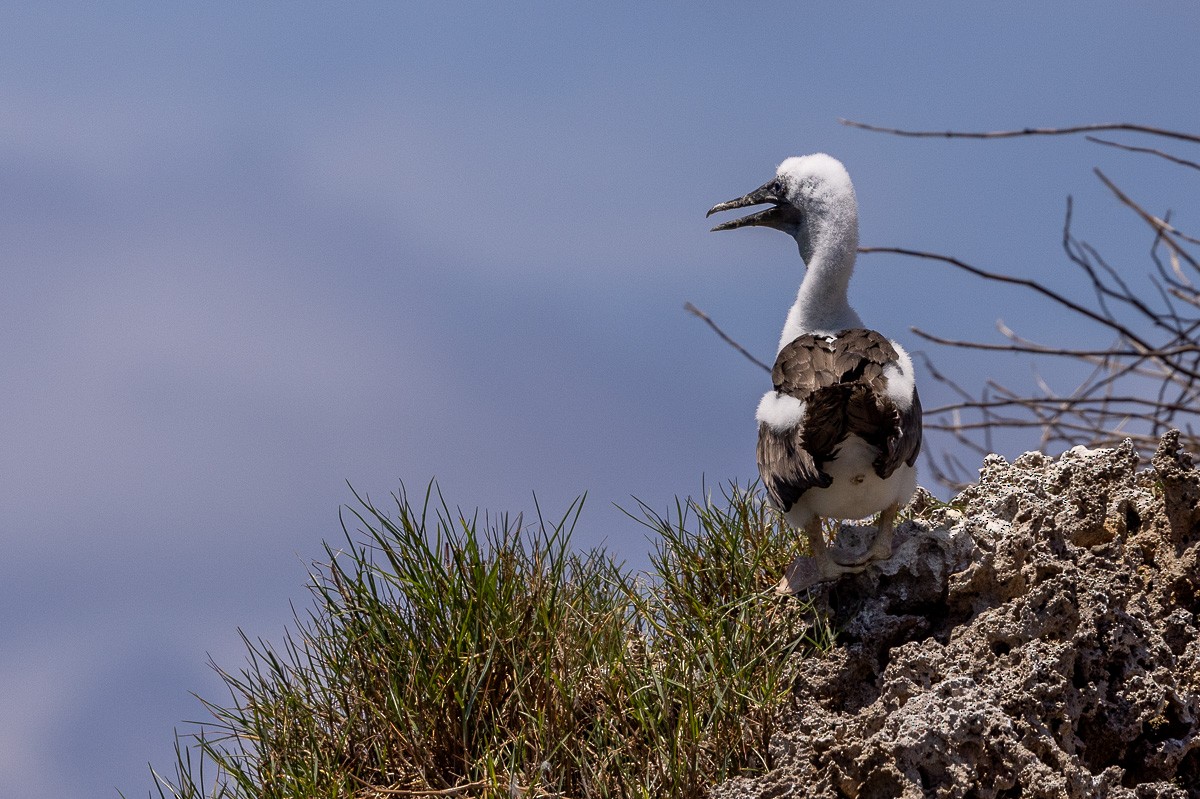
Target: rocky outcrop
1036 637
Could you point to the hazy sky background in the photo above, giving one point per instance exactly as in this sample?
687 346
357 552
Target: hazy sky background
255 251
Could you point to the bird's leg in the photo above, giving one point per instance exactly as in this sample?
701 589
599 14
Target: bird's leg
806 571
881 549
816 540
881 546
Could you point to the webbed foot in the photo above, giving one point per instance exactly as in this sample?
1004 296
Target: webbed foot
827 563
805 572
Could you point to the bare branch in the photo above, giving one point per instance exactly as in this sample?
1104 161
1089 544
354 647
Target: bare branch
1038 349
1083 255
1150 150
1079 402
941 378
1010 134
1033 285
1193 298
1146 381
692 309
1166 231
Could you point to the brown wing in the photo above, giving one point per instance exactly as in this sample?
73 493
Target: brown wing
787 469
844 388
904 443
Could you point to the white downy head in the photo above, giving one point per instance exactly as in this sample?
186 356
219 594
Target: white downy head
812 200
819 186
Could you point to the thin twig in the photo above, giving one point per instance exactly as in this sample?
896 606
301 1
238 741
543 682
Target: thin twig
1193 298
1159 225
1010 134
1057 401
1033 285
692 309
1038 349
1172 158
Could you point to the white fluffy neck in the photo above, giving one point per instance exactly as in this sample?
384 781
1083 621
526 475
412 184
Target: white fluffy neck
828 247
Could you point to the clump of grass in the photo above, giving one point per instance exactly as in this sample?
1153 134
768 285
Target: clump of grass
482 657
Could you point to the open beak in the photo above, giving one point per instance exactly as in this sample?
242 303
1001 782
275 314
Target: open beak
782 215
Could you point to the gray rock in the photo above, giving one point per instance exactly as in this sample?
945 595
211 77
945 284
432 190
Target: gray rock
1035 638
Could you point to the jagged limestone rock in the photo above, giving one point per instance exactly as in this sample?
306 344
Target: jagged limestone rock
1036 638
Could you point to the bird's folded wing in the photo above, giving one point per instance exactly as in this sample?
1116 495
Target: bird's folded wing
843 382
787 469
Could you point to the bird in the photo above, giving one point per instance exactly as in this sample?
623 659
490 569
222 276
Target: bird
840 430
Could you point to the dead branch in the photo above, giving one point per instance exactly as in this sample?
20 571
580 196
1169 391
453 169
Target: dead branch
1039 349
1142 383
1149 150
692 309
1032 285
1011 134
1167 232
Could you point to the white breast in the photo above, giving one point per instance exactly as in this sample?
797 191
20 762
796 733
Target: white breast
857 491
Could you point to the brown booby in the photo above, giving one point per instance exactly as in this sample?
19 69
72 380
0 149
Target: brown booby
839 433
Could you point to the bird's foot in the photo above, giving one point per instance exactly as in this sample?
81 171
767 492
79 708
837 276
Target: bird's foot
852 557
881 549
861 545
828 563
805 572
831 563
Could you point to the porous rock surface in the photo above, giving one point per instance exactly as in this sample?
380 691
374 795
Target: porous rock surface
1035 638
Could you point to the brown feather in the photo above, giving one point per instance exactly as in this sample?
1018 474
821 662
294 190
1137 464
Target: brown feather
787 469
842 383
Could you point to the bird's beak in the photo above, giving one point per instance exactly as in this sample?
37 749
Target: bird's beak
782 215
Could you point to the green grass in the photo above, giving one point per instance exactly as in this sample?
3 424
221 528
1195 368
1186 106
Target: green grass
447 654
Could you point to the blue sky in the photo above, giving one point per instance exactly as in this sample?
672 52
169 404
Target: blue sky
253 252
